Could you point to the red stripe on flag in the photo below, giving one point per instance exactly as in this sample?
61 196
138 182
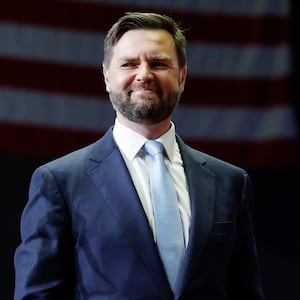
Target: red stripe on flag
230 92
268 153
18 138
88 81
50 77
53 142
99 17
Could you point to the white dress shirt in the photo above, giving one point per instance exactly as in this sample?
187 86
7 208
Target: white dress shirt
130 143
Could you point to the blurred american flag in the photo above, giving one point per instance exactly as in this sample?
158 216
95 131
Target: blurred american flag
236 104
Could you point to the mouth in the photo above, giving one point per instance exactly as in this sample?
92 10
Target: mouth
144 88
144 91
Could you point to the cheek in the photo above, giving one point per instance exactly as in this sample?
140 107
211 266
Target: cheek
170 81
119 82
170 84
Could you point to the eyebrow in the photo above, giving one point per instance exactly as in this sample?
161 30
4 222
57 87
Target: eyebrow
151 58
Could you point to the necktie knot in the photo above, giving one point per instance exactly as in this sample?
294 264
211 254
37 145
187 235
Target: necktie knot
153 147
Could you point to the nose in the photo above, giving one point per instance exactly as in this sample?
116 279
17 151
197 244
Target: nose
144 72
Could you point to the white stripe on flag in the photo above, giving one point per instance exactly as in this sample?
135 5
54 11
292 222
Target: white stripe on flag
218 123
238 61
51 45
242 124
58 46
55 110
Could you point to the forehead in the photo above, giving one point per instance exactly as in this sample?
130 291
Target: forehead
146 41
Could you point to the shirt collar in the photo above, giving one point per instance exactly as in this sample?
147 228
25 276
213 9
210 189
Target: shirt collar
130 142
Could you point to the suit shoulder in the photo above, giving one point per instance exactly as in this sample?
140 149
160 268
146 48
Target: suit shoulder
70 159
96 150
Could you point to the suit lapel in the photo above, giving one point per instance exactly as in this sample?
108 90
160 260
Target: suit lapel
202 188
112 179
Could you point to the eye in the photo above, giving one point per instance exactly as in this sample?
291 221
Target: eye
129 65
159 65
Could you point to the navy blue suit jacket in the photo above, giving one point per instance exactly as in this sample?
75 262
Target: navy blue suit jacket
85 234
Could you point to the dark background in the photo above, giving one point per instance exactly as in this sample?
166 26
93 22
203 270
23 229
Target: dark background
276 214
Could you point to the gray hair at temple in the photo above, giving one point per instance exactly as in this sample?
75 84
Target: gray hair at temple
140 20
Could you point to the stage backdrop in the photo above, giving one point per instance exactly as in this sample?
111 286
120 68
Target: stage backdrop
237 105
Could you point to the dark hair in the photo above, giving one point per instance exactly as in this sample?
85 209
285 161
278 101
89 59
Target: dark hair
139 20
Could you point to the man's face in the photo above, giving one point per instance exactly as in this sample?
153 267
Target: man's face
143 78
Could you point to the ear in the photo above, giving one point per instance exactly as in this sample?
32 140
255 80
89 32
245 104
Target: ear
182 78
106 77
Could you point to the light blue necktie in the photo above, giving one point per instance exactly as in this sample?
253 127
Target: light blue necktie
169 233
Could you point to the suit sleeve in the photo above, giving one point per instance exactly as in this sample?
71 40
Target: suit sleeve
244 280
43 260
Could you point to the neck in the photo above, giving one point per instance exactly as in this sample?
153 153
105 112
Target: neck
151 131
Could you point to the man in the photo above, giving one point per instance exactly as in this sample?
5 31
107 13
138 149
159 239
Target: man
90 230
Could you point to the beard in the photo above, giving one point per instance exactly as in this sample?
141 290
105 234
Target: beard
145 110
